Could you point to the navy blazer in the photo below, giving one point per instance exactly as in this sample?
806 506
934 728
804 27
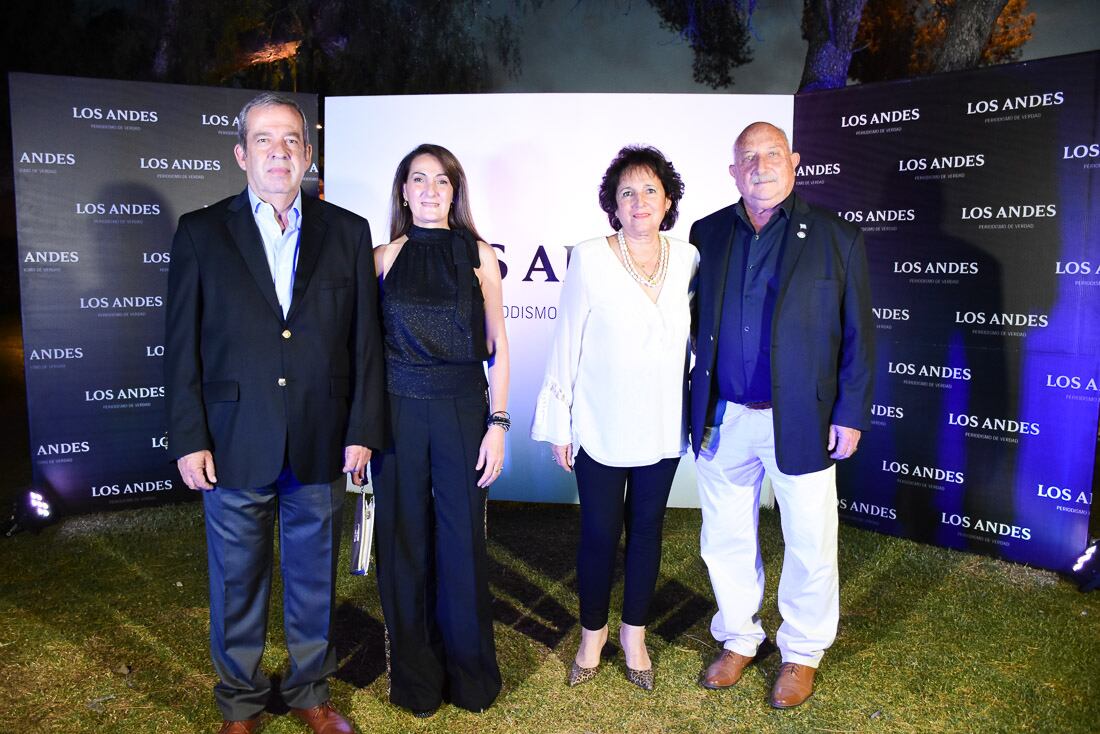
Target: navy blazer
252 386
822 361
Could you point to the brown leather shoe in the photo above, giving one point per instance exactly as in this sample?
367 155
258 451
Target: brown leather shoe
324 719
725 671
245 726
793 685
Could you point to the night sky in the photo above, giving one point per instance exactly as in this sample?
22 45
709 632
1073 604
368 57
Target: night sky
619 46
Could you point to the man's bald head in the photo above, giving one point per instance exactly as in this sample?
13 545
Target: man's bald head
760 127
763 166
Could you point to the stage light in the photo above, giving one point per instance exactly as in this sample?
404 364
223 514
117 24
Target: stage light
31 510
1086 570
39 504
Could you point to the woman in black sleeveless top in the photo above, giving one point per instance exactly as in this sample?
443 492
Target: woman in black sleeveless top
442 319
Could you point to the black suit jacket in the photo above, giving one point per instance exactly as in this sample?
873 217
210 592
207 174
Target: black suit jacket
822 363
252 386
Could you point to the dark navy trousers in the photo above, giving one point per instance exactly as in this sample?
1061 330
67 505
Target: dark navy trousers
610 497
240 526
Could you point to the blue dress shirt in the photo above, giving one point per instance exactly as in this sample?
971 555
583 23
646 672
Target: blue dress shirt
744 346
280 246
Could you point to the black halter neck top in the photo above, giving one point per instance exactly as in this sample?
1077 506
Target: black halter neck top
433 316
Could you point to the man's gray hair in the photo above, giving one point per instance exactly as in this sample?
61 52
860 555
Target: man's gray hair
268 99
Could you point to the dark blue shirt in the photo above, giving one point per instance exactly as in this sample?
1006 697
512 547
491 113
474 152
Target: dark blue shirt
744 338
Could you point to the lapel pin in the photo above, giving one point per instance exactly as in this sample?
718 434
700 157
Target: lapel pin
801 234
802 225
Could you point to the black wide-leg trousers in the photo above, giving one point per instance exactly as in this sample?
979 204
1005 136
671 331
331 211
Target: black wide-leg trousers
431 555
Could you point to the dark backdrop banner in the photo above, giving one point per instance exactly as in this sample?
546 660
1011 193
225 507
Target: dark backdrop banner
976 192
103 170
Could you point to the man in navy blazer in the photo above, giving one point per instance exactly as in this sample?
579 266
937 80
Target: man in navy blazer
274 388
781 387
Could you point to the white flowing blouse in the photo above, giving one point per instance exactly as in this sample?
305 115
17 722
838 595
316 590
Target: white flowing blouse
615 378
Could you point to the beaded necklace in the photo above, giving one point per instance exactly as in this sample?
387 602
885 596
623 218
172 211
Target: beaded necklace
658 276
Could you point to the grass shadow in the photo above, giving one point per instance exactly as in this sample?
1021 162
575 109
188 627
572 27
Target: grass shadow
360 641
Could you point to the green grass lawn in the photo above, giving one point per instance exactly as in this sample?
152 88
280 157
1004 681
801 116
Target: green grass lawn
103 628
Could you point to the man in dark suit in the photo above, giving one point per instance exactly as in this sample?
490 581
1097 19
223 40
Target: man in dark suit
274 386
781 386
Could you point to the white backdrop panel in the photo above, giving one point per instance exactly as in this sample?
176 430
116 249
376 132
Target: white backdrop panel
534 164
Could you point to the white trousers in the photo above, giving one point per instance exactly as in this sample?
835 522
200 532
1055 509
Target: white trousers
730 471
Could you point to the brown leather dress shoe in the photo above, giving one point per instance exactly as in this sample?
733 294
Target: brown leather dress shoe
793 685
244 726
324 719
725 671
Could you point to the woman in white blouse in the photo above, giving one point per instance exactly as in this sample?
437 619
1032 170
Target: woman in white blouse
612 403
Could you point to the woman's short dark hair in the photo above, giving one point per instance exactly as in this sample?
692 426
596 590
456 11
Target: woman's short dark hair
649 158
